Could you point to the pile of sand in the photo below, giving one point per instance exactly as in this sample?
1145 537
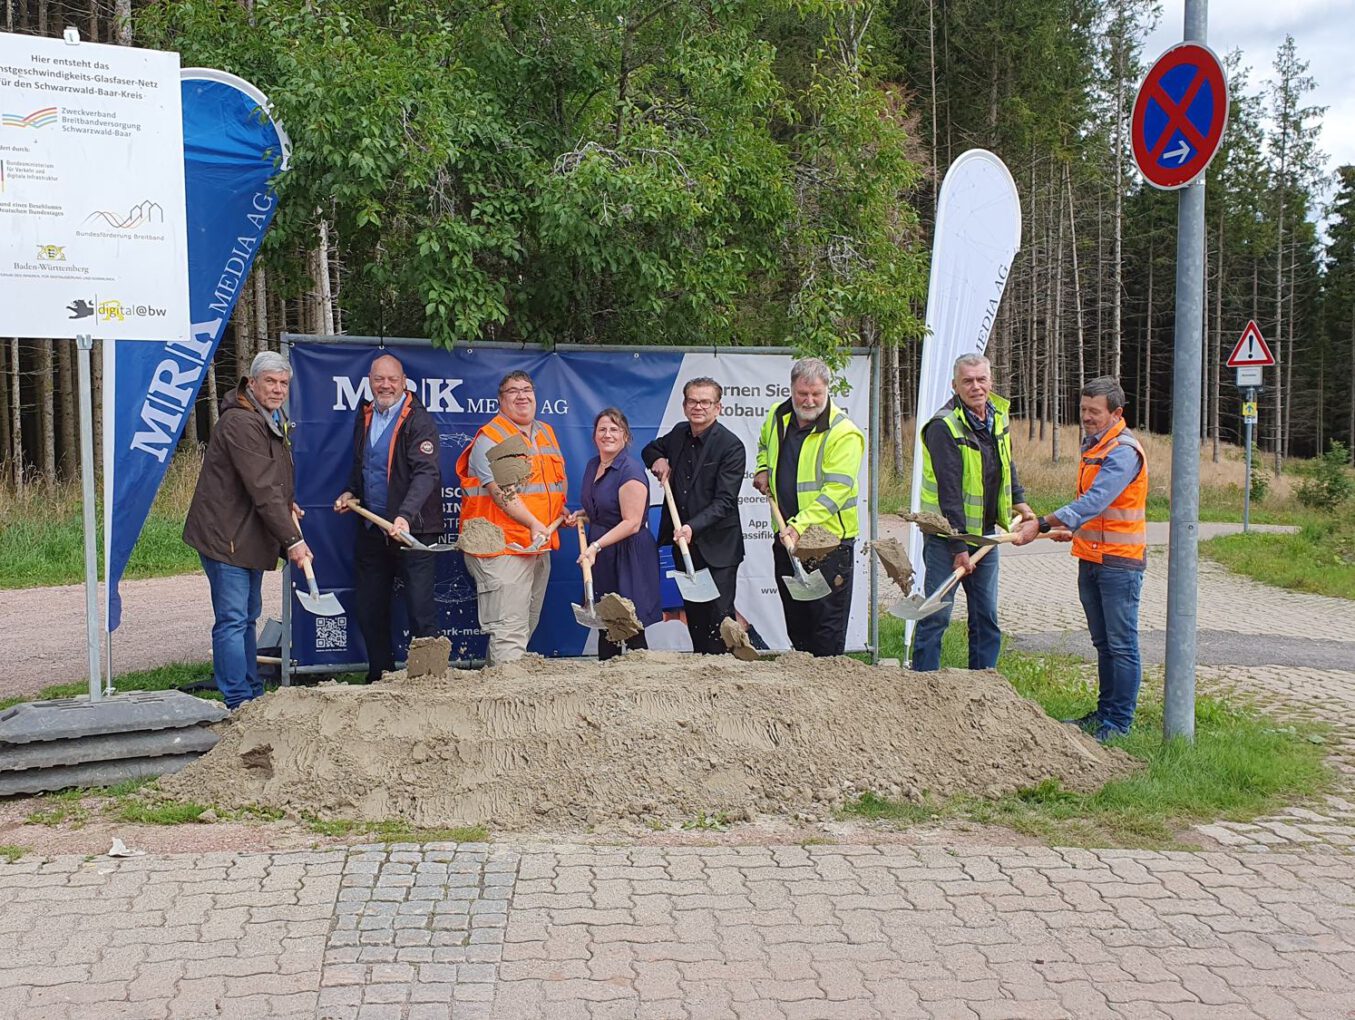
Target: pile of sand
480 537
544 743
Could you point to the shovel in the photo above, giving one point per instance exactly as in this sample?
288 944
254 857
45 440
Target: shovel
312 601
803 587
586 615
915 607
537 544
404 536
694 585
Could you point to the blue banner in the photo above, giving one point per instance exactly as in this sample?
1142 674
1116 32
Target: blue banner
231 151
459 387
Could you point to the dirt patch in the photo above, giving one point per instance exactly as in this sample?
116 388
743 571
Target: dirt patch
428 655
480 537
816 543
510 462
617 614
931 524
735 637
894 558
541 744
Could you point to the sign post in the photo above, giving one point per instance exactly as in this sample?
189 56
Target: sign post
1250 354
1178 121
93 236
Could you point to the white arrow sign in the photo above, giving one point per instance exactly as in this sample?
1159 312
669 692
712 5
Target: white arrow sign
1180 153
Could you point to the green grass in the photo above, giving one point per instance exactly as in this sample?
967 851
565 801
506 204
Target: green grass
161 678
11 852
1241 765
397 831
1320 558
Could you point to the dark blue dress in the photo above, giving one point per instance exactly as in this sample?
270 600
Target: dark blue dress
630 567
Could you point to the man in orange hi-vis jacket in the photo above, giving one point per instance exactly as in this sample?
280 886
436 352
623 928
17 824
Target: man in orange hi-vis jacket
1109 520
511 584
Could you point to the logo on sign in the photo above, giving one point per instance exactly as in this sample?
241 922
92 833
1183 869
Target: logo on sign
52 252
38 119
142 213
1179 116
80 309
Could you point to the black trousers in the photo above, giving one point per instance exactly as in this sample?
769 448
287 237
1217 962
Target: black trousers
819 627
704 618
377 562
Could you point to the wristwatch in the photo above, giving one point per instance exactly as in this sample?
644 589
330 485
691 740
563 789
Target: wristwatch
1045 527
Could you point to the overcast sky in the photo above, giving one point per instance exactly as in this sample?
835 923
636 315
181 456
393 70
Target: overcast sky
1322 35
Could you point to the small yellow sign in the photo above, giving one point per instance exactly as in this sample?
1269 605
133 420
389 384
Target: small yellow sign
1249 408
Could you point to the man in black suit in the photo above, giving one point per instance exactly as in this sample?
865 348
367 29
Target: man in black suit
704 463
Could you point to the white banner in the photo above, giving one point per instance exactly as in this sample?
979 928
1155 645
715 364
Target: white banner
753 385
92 215
978 233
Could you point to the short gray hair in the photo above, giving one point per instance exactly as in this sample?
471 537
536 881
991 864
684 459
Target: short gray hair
1106 386
268 361
965 360
813 369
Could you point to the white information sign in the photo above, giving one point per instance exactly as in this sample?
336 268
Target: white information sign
93 235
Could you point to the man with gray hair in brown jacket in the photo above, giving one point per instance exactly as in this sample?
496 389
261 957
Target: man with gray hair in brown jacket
241 518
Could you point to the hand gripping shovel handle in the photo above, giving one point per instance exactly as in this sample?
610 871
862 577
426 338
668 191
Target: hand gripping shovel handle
677 523
780 523
381 522
587 567
956 574
306 564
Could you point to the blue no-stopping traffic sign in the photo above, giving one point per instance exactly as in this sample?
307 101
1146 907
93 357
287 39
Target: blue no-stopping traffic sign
1179 116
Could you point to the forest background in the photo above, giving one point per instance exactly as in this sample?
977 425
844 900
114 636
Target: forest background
747 172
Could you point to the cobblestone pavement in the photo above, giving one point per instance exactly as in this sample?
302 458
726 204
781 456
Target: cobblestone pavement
516 932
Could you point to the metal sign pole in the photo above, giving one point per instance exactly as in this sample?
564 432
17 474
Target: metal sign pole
1246 487
85 344
1178 717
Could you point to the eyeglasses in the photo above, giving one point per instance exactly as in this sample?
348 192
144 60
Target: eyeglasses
518 391
701 405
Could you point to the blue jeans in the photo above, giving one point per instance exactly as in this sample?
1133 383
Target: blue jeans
1110 598
985 637
237 600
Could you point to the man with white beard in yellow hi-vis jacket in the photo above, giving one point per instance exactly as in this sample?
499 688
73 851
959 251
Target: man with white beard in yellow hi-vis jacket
808 458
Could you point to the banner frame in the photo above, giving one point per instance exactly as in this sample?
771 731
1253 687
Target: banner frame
288 340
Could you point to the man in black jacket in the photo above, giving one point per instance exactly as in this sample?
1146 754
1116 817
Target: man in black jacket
396 475
704 463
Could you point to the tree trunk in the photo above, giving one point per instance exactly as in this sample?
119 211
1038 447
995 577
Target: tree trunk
1279 322
1148 344
1293 351
1118 279
46 415
324 320
1218 341
213 399
16 424
4 412
1077 285
1056 343
931 60
122 22
96 376
260 337
70 453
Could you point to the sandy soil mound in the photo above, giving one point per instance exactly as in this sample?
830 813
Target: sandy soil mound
480 537
548 743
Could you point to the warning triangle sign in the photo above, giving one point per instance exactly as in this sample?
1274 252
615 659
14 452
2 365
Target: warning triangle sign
1251 348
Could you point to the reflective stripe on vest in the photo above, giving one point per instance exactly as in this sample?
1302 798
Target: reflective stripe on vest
971 457
543 494
1118 536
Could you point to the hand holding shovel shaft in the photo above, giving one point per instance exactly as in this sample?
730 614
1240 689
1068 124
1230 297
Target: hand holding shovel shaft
780 523
381 522
677 523
587 567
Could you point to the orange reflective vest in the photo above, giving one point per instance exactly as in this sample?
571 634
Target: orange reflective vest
543 493
1119 536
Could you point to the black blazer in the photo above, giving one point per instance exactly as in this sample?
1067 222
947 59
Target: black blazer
712 507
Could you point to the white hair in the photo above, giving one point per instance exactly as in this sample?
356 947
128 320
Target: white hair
268 361
812 369
965 360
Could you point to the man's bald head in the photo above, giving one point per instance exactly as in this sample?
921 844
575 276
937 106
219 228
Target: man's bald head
387 379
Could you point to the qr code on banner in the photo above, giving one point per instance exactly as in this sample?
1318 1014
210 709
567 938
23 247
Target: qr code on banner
331 633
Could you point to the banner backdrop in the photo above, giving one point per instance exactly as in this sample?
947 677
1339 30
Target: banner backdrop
978 233
231 151
460 388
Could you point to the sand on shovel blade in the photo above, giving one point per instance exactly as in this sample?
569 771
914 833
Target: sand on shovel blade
545 745
617 614
816 543
480 537
736 640
930 524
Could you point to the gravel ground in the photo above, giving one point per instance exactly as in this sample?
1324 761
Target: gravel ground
164 620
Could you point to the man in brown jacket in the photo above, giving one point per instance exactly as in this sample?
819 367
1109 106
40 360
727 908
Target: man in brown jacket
240 520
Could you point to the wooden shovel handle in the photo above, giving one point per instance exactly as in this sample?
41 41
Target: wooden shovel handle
307 563
958 573
583 546
672 511
780 523
380 522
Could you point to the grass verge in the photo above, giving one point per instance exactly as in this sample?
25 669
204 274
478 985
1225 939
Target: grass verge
1241 765
1319 558
162 678
397 831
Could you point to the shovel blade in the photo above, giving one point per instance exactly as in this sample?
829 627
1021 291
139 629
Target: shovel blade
586 616
813 587
914 609
323 605
698 586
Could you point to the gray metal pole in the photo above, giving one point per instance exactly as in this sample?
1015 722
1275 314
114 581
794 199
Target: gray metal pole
1246 485
1178 717
85 382
875 414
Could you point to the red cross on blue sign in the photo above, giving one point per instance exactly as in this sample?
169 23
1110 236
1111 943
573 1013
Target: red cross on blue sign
1179 116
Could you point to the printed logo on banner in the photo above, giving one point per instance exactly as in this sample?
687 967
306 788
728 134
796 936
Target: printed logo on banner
142 213
52 252
80 309
36 120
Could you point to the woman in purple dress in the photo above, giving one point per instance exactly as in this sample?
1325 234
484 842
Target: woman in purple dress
623 554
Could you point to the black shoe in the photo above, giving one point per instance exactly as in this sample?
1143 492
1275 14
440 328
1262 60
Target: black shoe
1087 723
